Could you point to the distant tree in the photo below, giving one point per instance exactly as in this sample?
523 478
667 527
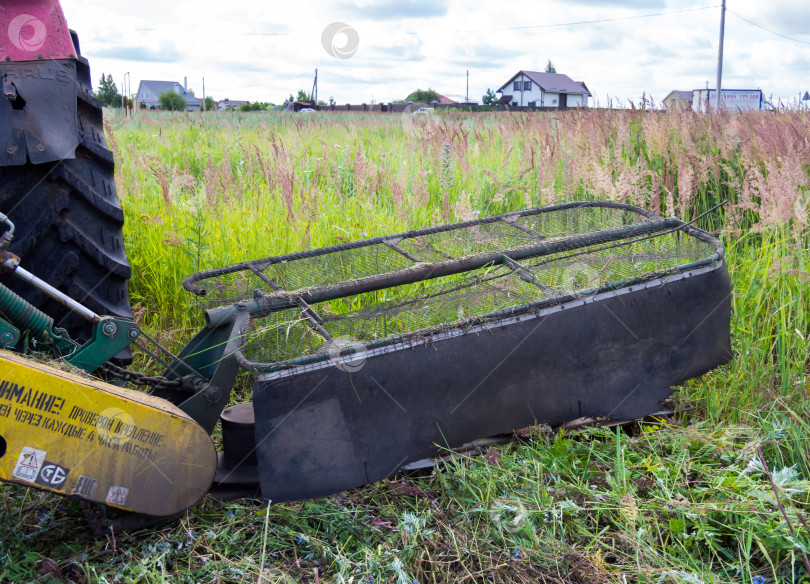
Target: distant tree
424 95
210 103
172 101
254 107
489 98
550 68
331 100
302 96
107 92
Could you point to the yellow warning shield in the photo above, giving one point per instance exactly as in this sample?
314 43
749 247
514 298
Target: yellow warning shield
90 440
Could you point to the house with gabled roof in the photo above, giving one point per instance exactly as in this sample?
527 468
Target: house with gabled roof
230 103
149 94
678 101
536 89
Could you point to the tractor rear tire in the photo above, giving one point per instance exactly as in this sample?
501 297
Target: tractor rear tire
69 222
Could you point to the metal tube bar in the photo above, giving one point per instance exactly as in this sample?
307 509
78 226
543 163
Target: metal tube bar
512 222
310 316
8 235
399 250
524 274
61 298
417 273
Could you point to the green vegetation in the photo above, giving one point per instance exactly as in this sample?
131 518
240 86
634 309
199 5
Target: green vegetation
423 96
256 106
107 91
171 101
489 98
719 492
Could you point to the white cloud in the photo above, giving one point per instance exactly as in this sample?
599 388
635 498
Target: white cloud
264 51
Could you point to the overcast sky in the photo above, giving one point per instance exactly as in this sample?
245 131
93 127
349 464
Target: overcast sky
263 51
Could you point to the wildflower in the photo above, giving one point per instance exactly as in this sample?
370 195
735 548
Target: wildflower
364 234
476 212
758 579
517 553
241 163
190 534
300 540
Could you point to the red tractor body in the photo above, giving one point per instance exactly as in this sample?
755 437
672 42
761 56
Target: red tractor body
34 30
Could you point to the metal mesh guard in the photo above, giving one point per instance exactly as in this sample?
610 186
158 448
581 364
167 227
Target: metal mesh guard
450 276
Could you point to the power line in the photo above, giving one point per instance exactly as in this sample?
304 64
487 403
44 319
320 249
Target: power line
773 32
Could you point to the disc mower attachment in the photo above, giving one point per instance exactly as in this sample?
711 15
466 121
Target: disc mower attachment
374 354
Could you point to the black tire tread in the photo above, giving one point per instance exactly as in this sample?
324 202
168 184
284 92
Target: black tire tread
69 222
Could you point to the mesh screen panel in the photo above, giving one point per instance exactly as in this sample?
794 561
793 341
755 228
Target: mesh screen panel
551 254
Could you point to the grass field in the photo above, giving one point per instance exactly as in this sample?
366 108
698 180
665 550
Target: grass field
718 493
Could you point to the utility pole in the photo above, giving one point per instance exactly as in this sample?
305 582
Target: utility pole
720 53
203 103
467 96
313 95
124 92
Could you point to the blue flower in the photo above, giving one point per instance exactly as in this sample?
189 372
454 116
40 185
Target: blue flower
300 539
190 534
759 580
517 553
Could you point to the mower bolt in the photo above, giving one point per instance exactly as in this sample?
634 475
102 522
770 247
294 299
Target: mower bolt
7 339
213 394
109 328
133 333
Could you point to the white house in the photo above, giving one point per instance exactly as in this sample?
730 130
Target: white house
230 103
535 89
149 94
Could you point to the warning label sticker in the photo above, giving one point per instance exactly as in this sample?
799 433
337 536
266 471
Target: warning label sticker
117 495
52 475
85 486
28 464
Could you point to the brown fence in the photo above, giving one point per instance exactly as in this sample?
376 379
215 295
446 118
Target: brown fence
399 108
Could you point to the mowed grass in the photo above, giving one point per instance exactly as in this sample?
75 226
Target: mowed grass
717 493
